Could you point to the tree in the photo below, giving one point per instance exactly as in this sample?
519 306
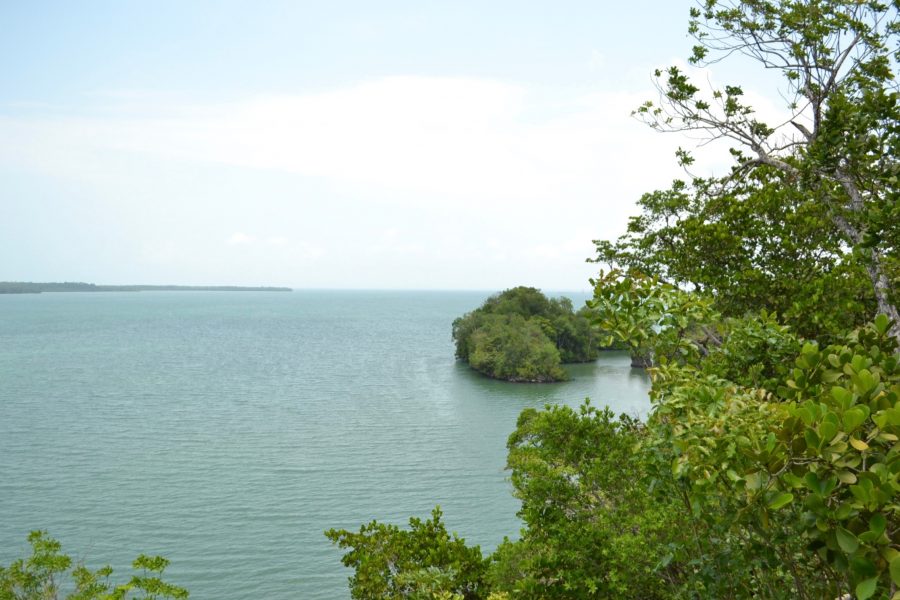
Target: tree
784 453
38 577
759 247
512 348
833 159
521 335
419 563
769 466
591 527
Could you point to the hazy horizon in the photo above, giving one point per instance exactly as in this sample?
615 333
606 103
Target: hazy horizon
456 146
294 288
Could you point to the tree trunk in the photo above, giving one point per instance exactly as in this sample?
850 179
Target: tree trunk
882 288
874 268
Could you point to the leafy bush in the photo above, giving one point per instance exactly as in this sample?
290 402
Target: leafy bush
521 335
420 563
592 527
768 468
511 348
37 577
788 474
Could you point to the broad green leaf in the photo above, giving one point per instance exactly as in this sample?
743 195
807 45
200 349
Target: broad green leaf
812 439
853 418
846 540
754 481
882 323
866 589
827 431
847 477
782 499
843 397
895 570
877 523
843 511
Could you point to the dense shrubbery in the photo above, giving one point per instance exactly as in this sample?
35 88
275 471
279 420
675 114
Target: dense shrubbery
521 335
787 470
780 480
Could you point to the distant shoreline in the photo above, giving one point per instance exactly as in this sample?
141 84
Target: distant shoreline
27 287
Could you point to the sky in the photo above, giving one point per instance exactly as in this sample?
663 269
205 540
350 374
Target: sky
375 145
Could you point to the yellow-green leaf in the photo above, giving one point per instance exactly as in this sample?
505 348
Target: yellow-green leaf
847 477
859 444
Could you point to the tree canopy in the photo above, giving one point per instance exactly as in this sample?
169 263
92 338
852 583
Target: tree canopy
521 335
808 214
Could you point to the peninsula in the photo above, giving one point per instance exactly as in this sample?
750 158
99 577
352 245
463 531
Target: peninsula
27 287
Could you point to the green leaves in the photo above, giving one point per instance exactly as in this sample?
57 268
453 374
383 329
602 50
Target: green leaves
592 527
37 577
424 561
657 322
780 500
866 589
895 570
846 540
771 456
854 417
775 232
733 489
521 335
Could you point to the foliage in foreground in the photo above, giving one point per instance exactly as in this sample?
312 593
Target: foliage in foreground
765 303
521 335
389 562
789 470
39 577
777 481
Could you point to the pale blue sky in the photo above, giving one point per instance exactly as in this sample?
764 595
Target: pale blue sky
471 145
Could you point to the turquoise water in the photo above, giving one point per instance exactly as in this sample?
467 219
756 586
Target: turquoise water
226 431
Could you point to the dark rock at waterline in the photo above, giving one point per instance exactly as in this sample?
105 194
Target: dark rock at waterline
640 361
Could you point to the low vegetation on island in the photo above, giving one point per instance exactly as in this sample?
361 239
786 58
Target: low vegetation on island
521 335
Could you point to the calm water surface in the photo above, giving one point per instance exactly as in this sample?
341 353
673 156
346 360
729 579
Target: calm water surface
226 431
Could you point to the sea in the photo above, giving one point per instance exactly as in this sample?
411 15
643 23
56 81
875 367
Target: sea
227 430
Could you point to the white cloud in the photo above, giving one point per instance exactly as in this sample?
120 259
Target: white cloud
598 61
402 181
476 141
308 251
240 239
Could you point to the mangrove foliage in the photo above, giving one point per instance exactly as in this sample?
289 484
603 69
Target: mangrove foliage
521 335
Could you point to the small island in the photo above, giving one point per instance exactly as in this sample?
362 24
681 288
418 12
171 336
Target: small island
27 287
521 335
